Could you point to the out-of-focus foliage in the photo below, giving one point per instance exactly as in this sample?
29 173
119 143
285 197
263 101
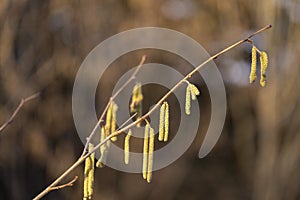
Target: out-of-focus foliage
42 44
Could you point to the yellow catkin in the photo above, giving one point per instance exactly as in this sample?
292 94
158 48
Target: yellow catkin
126 148
145 151
263 68
161 122
150 155
108 119
136 101
113 120
166 122
188 100
194 91
252 76
102 149
89 175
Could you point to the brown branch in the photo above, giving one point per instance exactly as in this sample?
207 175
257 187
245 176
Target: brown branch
21 104
69 184
84 156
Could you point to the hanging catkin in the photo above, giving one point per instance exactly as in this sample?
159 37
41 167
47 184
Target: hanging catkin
166 122
161 122
188 100
89 175
114 120
150 155
252 76
126 147
145 151
103 149
263 68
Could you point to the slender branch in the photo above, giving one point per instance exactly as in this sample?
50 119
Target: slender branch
69 184
132 77
21 104
83 157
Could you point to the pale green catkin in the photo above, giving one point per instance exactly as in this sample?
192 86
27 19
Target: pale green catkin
113 121
188 100
161 122
191 92
194 91
126 147
135 97
136 100
263 68
108 119
89 175
150 155
102 149
166 122
145 151
252 76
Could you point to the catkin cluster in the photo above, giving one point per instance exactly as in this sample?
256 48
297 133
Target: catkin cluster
191 92
148 148
164 122
110 124
263 57
148 153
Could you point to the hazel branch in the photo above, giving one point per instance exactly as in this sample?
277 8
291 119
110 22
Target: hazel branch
116 133
69 184
21 104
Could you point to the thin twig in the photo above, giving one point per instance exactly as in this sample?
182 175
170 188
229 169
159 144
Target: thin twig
83 157
21 104
130 118
69 184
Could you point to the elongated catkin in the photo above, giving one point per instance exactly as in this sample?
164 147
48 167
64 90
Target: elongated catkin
252 76
166 122
136 101
194 91
102 149
126 147
114 120
188 100
108 119
89 174
150 155
145 151
161 122
263 68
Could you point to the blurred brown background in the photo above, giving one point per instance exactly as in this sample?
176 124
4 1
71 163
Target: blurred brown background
42 44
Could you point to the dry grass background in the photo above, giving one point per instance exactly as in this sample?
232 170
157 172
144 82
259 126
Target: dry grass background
42 44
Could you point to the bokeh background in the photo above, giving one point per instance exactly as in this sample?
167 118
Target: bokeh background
42 44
